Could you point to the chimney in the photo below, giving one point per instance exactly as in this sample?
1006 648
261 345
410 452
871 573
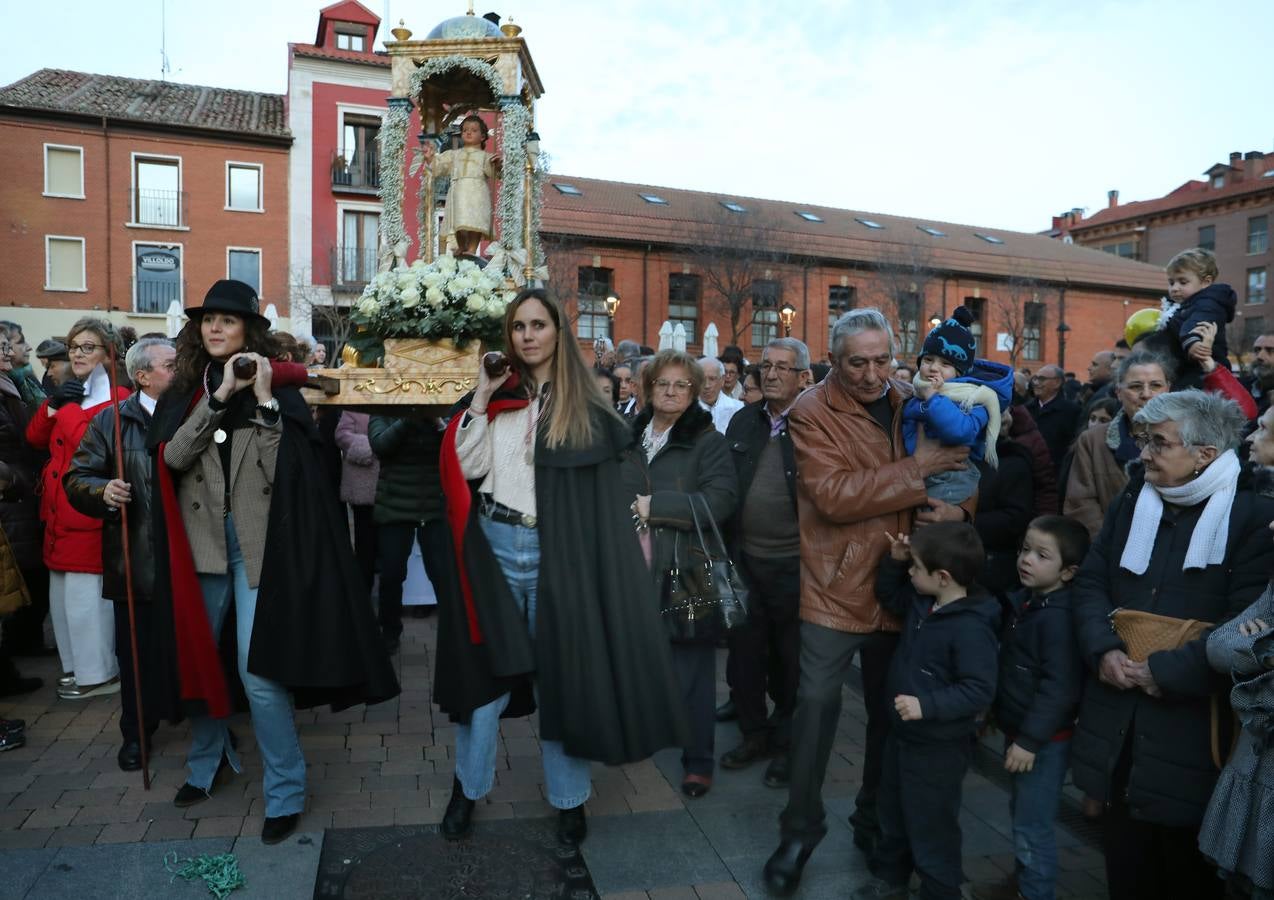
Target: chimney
1112 199
1252 164
1077 213
1234 159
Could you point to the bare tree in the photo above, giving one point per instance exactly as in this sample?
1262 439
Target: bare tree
738 262
562 255
1021 313
904 272
328 312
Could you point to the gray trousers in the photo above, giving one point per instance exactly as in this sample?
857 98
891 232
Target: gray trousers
826 659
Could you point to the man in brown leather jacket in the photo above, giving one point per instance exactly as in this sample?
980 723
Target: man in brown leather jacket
854 484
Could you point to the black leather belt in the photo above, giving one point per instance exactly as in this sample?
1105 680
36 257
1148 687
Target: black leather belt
498 512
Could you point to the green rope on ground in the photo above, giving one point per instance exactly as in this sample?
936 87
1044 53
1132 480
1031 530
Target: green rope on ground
220 873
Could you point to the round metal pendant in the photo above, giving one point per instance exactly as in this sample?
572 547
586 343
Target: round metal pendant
219 435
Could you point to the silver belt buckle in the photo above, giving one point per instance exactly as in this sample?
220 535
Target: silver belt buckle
528 521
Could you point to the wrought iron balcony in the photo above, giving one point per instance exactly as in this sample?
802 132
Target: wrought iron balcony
166 209
352 267
356 169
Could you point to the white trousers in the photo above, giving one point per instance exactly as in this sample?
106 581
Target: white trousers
84 626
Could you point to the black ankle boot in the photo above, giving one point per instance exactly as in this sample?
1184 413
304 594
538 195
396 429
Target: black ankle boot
459 814
572 827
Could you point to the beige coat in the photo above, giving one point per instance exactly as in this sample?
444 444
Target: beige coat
1096 477
201 489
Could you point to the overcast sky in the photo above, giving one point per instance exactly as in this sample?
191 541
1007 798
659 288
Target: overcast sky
992 113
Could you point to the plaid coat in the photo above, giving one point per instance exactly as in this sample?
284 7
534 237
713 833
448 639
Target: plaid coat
201 489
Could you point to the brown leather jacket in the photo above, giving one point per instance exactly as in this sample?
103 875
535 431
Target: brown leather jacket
854 483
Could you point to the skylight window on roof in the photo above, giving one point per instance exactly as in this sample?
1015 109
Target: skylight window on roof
869 223
930 230
569 190
733 207
653 198
808 216
989 238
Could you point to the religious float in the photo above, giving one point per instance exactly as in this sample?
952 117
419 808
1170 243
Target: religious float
439 297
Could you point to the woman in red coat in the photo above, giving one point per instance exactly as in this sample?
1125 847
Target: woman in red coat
83 622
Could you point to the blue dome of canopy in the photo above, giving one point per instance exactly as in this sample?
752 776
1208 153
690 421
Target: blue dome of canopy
465 28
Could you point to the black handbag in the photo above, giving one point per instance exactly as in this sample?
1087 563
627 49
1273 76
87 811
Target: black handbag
702 596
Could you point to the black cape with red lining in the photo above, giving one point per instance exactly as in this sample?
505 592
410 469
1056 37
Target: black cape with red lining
601 659
314 630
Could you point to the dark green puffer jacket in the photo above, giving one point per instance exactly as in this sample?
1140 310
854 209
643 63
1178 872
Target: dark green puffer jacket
409 488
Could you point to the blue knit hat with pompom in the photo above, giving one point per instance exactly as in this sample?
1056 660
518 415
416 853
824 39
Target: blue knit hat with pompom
952 341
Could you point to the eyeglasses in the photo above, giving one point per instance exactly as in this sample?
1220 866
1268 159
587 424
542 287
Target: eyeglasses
779 369
1157 445
84 349
663 384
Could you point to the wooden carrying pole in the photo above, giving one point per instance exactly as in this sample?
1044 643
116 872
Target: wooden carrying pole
128 581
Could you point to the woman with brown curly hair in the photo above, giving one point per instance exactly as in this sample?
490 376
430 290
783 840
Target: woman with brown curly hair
249 520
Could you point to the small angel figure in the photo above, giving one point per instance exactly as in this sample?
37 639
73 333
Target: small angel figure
467 218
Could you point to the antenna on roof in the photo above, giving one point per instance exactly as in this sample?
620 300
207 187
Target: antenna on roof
164 67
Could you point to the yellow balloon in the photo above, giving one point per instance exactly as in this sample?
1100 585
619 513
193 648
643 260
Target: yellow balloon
1141 323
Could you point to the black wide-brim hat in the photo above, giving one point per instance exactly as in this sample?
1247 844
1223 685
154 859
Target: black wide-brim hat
229 296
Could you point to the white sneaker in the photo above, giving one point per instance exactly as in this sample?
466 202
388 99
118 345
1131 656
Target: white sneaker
86 691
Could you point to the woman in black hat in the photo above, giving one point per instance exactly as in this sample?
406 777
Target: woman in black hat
251 521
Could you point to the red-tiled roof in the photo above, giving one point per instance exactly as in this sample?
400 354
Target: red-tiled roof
615 211
345 11
380 60
1192 193
149 102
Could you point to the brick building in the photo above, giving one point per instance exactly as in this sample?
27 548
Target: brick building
646 244
336 100
1228 211
125 195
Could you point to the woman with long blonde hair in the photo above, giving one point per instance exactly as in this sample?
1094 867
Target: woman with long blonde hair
553 604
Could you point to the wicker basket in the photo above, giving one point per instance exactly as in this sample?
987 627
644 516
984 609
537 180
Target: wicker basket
1144 633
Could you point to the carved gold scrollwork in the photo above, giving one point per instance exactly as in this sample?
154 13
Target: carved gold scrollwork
428 386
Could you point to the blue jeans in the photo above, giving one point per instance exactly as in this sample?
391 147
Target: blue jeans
269 701
954 487
568 780
1033 805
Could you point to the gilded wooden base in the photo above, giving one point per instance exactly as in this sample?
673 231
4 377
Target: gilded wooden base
416 372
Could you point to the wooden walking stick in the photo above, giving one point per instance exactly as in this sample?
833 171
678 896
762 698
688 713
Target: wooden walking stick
128 579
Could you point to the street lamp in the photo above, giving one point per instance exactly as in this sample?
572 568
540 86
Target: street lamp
935 321
612 305
787 313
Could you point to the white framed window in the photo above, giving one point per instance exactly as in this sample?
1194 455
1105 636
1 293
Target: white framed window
157 277
244 264
244 188
64 171
64 263
158 200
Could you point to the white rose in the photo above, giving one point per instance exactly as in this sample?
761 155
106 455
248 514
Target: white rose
495 309
410 297
434 297
368 306
432 279
468 265
447 265
418 263
475 303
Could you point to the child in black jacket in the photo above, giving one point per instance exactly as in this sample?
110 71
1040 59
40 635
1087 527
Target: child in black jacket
1041 676
941 677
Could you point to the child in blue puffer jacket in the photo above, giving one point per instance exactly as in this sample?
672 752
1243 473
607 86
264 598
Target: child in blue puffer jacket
957 402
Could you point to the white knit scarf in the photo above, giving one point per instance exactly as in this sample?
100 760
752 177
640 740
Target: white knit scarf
1216 484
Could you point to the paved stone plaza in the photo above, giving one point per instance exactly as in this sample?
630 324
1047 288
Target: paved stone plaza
72 824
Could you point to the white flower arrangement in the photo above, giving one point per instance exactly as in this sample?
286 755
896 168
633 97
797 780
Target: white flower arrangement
447 298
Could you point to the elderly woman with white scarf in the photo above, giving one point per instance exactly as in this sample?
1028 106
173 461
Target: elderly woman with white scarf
1185 539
